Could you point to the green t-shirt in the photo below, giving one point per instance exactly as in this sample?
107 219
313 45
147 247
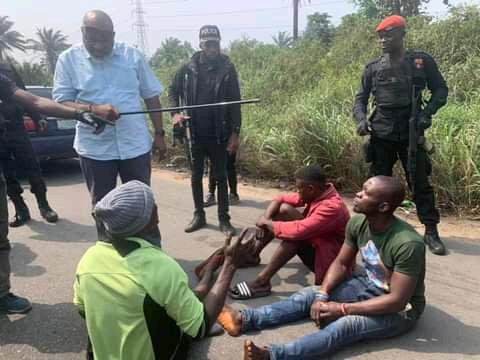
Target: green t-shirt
398 249
138 306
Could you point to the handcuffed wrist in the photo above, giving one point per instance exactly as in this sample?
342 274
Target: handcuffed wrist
320 295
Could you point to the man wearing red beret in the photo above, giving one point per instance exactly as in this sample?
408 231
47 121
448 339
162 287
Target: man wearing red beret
392 79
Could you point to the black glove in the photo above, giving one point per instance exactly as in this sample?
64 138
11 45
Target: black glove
424 121
363 127
92 120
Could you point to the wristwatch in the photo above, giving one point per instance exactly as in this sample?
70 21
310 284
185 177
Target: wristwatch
160 132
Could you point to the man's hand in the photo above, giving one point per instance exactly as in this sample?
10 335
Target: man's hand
105 111
179 118
316 310
236 253
94 121
424 121
325 311
159 146
233 143
264 223
364 128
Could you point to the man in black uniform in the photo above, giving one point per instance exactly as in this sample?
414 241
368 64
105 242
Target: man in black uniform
391 80
10 93
209 77
20 155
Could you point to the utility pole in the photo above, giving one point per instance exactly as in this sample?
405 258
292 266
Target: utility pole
296 4
139 27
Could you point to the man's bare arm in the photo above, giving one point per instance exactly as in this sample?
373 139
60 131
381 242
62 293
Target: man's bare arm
43 105
338 270
156 118
105 111
402 288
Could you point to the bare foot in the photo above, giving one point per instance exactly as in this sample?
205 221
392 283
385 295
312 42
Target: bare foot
253 352
231 320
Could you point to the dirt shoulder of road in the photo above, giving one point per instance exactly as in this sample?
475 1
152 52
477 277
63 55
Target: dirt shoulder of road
450 226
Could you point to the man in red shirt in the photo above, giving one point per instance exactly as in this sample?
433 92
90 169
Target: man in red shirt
316 234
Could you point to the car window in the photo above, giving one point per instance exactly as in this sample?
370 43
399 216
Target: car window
43 92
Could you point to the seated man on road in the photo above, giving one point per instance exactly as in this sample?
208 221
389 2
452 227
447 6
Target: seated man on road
315 235
384 298
135 298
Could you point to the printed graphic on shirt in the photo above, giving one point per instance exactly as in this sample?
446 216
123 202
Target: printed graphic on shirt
376 270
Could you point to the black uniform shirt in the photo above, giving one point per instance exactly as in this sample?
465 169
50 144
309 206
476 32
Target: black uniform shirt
7 88
205 118
392 124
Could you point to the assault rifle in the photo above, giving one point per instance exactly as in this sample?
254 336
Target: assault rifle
415 137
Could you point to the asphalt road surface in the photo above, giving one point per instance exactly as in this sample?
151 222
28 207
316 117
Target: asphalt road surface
44 257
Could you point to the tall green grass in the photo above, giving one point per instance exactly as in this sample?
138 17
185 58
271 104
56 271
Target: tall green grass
308 92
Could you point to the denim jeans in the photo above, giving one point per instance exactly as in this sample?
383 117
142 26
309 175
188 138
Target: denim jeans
339 333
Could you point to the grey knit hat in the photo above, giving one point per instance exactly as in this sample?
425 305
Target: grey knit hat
127 209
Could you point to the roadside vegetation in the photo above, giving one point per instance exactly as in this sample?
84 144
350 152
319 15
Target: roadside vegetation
308 89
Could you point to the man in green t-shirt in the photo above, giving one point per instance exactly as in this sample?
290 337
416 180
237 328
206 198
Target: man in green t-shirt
382 298
135 298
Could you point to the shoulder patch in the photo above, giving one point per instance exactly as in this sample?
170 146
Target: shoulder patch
374 61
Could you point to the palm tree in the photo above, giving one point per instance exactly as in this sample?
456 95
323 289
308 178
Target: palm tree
51 43
9 39
283 39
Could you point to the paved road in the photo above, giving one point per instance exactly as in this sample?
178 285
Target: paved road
44 257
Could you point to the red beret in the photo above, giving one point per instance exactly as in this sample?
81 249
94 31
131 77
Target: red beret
391 22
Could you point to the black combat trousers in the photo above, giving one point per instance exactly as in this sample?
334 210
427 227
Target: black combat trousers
4 243
209 147
385 155
231 175
19 155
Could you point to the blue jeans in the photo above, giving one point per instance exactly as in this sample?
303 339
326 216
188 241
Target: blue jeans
341 332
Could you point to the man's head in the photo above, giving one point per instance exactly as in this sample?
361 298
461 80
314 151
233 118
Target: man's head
97 33
379 195
127 210
209 37
310 182
391 32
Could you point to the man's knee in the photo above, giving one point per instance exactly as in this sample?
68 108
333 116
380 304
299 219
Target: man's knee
287 212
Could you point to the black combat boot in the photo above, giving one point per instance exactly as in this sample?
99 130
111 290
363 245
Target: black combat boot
45 210
209 200
432 240
226 227
22 214
197 223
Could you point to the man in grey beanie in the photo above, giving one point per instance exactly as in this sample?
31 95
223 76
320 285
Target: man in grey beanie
135 298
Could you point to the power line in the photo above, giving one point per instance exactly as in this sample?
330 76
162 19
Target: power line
242 11
239 27
163 2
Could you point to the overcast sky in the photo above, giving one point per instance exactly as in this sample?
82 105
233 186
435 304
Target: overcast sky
260 19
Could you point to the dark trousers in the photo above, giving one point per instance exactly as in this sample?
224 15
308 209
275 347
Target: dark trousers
4 243
101 177
231 175
19 155
217 153
385 155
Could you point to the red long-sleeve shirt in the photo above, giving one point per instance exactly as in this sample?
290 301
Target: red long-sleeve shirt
323 226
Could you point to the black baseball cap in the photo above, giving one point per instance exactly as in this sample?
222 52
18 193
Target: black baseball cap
209 33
